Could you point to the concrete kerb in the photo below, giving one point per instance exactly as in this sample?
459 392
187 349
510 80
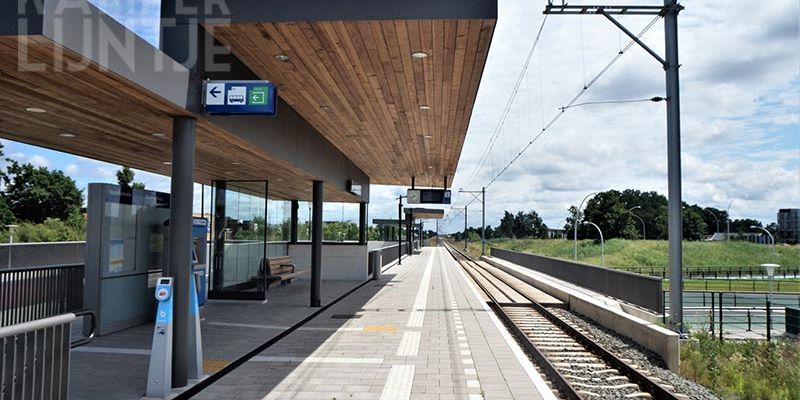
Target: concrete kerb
603 310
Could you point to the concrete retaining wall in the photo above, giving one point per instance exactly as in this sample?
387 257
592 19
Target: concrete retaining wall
343 262
603 310
25 255
642 290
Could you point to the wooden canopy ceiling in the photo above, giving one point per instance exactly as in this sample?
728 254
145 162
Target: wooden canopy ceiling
97 114
395 116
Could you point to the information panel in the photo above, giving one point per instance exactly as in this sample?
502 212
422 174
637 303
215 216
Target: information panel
239 97
428 196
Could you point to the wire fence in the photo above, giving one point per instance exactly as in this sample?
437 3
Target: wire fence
719 272
736 315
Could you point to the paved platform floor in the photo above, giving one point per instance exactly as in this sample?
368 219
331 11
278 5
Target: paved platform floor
422 332
114 367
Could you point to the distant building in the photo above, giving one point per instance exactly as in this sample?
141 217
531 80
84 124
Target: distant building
556 233
789 225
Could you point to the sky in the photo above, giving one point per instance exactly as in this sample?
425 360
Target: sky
740 113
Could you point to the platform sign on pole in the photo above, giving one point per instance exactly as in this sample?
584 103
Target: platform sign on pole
428 196
159 374
239 97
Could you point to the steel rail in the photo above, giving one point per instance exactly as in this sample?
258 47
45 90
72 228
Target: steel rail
645 383
561 383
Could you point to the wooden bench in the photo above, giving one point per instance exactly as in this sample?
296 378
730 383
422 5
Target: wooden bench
279 270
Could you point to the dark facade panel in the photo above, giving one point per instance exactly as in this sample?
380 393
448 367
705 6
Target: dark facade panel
243 11
21 17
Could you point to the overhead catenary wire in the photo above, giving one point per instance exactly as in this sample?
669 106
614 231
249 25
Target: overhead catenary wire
504 115
556 117
572 102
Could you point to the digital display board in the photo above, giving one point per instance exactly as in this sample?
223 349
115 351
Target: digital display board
428 196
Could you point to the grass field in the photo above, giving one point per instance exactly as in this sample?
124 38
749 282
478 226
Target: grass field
746 370
733 256
653 253
739 285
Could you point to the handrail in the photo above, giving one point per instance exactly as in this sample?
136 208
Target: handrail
36 325
83 313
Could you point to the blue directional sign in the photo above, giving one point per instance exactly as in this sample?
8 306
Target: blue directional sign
240 97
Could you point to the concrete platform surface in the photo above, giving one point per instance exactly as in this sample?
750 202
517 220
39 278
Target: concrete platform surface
422 332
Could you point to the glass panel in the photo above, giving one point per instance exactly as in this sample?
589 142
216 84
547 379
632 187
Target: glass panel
340 222
240 238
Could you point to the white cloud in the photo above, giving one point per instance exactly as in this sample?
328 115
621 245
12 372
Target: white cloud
71 169
740 88
39 161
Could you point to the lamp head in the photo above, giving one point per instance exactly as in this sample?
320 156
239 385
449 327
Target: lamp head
770 268
754 227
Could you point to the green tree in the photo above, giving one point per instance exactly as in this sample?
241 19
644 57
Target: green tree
610 213
506 228
694 225
6 216
125 177
37 193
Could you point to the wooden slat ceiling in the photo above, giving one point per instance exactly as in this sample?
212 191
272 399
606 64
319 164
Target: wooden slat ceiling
114 121
357 83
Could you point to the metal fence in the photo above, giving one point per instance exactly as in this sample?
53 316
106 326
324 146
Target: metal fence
28 294
35 357
736 315
642 290
727 272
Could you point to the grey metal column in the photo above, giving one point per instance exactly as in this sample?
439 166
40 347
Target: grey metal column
218 263
483 221
316 245
409 232
400 230
294 223
180 243
465 228
362 223
674 215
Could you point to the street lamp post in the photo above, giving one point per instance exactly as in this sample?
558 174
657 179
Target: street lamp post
728 221
644 232
602 243
575 227
715 218
770 273
771 238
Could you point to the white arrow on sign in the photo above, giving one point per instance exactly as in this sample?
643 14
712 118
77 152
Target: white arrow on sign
215 94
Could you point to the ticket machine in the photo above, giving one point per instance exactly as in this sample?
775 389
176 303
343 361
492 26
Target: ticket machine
159 376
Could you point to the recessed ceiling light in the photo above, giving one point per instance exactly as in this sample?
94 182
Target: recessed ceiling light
324 108
281 57
36 110
424 108
419 55
158 135
430 166
67 135
428 137
279 179
228 172
167 162
235 163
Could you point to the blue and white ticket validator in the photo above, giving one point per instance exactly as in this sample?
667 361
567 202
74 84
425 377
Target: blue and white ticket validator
159 374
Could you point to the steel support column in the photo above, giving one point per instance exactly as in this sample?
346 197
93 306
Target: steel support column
362 223
180 243
400 230
674 215
294 222
316 245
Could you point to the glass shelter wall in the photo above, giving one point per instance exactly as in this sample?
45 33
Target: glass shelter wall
247 228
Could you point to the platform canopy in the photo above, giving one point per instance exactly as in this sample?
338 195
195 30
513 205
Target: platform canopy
353 70
424 213
358 100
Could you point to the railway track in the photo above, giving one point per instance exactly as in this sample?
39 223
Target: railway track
575 366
